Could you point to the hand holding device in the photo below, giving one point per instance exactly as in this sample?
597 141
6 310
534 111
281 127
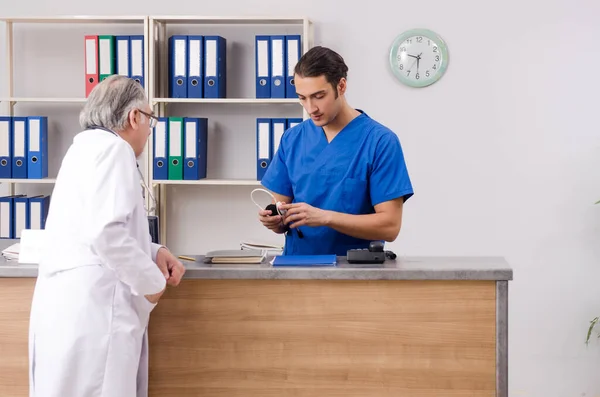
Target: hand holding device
273 220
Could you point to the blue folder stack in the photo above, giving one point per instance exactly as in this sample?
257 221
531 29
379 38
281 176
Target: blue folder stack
23 147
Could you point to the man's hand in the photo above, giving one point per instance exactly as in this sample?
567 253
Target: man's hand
273 223
170 266
300 214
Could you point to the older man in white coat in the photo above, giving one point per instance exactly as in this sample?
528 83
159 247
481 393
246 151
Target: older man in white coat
100 276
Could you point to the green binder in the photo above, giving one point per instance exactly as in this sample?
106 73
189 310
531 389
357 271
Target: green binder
175 148
106 56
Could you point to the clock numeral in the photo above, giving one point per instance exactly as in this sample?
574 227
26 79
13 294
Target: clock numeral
419 39
402 49
417 76
434 66
428 42
401 67
435 48
437 58
408 73
409 41
427 73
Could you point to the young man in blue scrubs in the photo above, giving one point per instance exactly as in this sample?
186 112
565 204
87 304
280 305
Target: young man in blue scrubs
341 174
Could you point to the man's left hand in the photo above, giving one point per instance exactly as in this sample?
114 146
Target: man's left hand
167 261
302 214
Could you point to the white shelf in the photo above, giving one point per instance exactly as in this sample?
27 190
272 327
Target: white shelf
77 19
231 20
270 101
229 182
29 181
46 100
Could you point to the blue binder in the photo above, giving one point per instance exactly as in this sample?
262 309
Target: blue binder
305 260
195 66
19 163
293 45
262 54
292 122
195 132
6 138
123 55
215 67
263 146
38 211
136 51
37 156
278 66
7 216
178 80
160 149
21 215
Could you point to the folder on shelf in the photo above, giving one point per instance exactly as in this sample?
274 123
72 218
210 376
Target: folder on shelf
292 122
38 211
262 53
263 146
195 66
6 137
7 216
196 134
21 216
305 260
106 56
19 164
37 153
215 67
175 148
293 50
136 49
160 169
91 63
123 56
278 128
278 63
178 80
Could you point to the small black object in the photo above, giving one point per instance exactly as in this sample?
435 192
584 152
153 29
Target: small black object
374 254
376 246
154 229
273 209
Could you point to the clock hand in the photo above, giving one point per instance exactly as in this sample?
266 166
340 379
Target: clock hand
413 56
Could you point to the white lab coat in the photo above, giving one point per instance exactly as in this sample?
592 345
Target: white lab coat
89 314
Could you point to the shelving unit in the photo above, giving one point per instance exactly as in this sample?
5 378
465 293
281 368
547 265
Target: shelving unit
164 106
155 30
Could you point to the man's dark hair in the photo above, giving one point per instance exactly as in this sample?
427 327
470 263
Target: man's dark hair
322 61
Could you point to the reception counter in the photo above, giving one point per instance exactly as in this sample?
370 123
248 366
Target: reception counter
416 326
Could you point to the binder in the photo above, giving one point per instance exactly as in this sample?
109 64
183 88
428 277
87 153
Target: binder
292 122
160 169
196 134
178 81
37 154
278 128
38 211
262 53
106 56
123 56
91 63
215 67
7 213
305 260
6 138
175 148
20 148
263 146
136 50
21 215
293 45
278 63
195 66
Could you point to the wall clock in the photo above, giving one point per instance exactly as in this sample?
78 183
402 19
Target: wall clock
418 57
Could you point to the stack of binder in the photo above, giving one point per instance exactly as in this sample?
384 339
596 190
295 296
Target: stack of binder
21 212
197 67
106 55
276 57
268 137
179 148
23 147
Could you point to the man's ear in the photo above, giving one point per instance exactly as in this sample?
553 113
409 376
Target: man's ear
133 118
342 86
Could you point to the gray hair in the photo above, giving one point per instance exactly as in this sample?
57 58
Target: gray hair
110 102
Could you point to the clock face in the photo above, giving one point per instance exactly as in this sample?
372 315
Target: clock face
418 58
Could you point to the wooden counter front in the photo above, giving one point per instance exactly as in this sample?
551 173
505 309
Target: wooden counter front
322 338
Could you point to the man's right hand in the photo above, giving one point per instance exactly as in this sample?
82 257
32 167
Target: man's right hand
271 222
155 297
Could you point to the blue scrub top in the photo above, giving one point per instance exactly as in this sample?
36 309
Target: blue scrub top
360 168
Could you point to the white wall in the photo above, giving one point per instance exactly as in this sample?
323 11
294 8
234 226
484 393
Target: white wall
503 153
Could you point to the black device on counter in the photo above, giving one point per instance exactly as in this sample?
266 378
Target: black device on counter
374 254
